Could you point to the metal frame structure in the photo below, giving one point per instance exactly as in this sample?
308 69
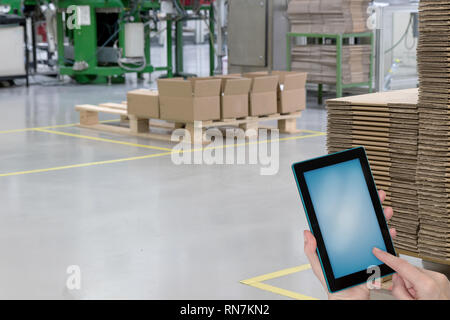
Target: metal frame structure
339 44
179 61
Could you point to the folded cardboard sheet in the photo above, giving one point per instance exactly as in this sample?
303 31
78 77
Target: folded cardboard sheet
433 164
319 61
328 16
386 124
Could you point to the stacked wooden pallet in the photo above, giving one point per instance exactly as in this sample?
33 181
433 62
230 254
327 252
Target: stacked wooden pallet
156 129
433 172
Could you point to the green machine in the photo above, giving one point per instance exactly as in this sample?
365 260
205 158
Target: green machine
12 7
101 40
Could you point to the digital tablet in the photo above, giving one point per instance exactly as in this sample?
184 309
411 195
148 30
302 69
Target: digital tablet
345 216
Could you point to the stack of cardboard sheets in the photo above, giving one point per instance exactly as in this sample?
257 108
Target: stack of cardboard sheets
328 16
376 121
320 63
403 136
433 170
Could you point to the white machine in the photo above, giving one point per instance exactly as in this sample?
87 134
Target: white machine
12 51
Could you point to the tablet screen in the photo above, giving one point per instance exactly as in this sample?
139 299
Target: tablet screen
346 216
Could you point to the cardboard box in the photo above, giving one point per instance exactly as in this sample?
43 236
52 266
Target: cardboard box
255 74
196 99
263 93
143 103
291 91
234 97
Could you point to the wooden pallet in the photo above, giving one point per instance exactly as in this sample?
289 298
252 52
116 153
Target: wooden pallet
143 127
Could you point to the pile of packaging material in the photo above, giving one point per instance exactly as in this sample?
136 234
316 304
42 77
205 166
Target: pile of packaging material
403 144
221 97
320 63
386 124
328 16
433 171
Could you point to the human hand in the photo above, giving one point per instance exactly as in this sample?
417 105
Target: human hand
411 282
360 292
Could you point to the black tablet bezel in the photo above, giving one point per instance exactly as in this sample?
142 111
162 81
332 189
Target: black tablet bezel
336 284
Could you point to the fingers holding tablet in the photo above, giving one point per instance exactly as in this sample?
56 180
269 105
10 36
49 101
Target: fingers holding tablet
388 212
412 282
382 195
311 254
345 215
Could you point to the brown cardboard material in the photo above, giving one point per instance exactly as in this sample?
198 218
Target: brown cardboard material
255 74
291 91
143 103
189 100
387 125
263 94
234 100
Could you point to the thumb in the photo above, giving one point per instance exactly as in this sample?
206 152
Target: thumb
399 289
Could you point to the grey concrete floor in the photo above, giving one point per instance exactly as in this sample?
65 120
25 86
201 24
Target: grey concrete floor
140 229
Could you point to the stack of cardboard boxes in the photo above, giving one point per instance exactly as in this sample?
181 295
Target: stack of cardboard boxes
386 125
328 16
221 97
433 171
320 63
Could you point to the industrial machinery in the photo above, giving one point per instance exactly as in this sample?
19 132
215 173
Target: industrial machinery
263 44
13 56
99 41
396 30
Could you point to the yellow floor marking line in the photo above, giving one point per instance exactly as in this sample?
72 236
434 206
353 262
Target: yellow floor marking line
312 131
277 274
80 165
257 282
281 291
53 127
258 142
141 157
103 139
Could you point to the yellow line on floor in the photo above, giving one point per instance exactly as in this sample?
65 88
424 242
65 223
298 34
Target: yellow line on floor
280 291
103 139
312 131
133 158
258 142
257 282
80 165
277 274
52 127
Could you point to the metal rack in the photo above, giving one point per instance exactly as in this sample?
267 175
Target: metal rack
339 44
